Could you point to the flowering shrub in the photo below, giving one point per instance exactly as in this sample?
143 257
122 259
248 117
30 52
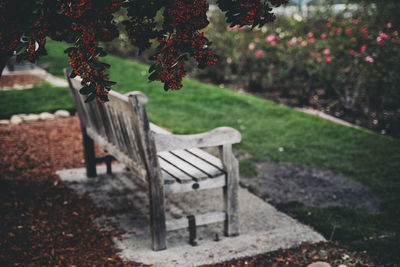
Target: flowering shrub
347 66
84 23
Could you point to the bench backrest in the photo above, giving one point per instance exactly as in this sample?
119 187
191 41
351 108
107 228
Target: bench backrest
120 126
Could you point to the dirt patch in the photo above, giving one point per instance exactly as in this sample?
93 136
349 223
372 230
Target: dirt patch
43 223
277 182
19 81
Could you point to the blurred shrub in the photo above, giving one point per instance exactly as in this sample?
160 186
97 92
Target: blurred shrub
348 63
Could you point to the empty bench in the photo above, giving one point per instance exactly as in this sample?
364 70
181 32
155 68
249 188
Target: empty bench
169 163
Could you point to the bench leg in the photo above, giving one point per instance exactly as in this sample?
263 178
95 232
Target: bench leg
157 215
230 191
90 158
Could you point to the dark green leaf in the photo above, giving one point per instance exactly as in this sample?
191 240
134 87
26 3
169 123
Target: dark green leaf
90 98
154 76
86 90
109 83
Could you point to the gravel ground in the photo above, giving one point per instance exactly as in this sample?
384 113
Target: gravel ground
44 223
278 182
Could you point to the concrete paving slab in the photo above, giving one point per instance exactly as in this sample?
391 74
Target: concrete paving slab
262 227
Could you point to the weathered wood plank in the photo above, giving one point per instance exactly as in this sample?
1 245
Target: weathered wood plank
143 99
230 191
184 166
215 137
90 157
202 219
216 162
179 175
203 165
119 102
75 96
138 169
103 120
133 140
168 179
209 183
155 179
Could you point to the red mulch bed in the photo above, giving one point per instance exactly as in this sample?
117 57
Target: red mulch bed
24 80
44 223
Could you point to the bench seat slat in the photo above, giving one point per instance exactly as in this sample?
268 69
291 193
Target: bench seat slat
180 176
168 179
197 162
184 166
216 162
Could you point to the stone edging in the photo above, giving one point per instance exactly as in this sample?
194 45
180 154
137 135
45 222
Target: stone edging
40 73
21 118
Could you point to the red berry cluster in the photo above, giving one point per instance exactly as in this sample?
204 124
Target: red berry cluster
185 15
84 56
85 23
183 19
250 11
76 8
37 41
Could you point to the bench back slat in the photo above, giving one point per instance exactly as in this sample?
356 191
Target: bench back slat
119 126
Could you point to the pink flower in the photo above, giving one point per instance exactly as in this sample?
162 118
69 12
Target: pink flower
328 59
380 40
310 35
338 30
353 52
303 43
323 36
259 53
312 40
273 43
292 41
389 25
328 25
355 21
348 31
270 38
326 52
364 29
251 46
362 48
383 35
366 37
368 59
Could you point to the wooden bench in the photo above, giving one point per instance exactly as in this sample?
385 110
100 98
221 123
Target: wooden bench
169 163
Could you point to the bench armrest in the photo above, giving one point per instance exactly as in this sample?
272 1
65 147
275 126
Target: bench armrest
216 137
143 99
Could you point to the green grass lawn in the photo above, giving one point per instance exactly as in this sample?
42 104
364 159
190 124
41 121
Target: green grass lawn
40 98
367 157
